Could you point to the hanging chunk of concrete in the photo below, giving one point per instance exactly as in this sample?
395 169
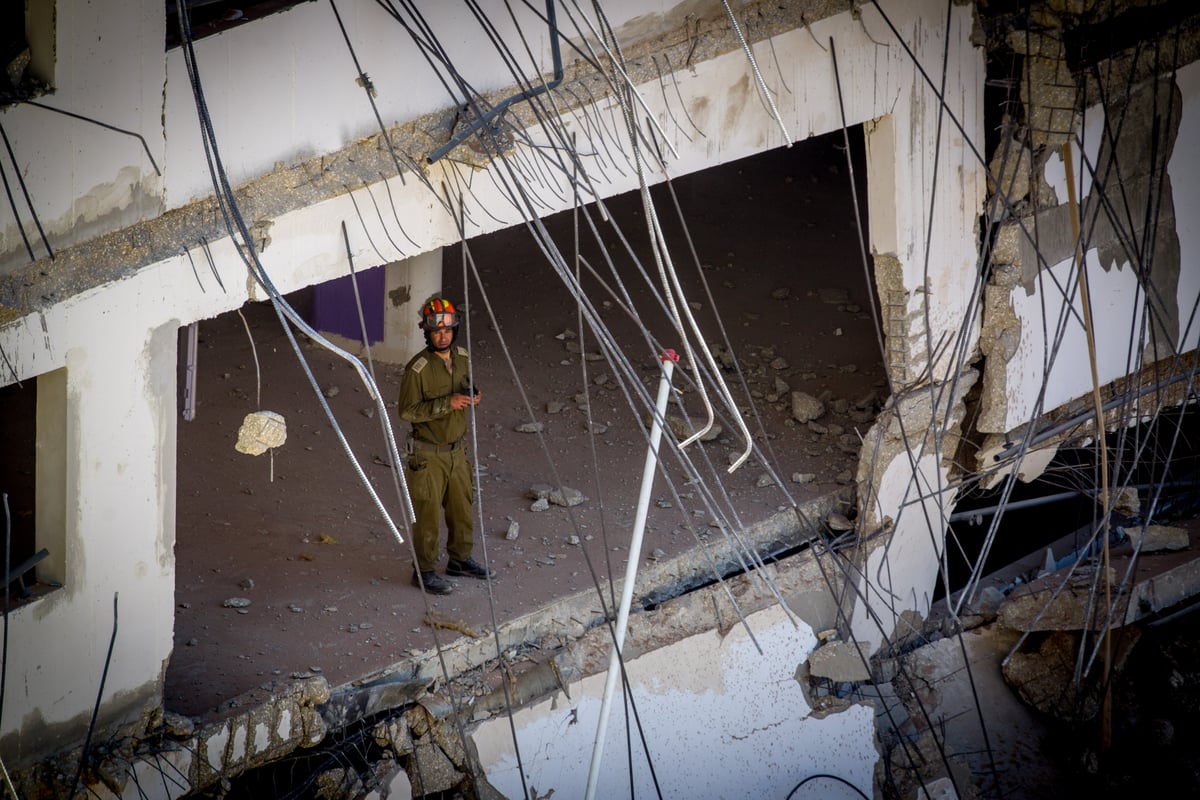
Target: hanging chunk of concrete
260 432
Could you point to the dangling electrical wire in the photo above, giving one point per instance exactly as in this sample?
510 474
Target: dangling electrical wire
236 226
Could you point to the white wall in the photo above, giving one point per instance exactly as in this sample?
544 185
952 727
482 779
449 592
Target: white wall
1184 169
280 89
83 179
119 537
724 722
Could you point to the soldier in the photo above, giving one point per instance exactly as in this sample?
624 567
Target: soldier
434 396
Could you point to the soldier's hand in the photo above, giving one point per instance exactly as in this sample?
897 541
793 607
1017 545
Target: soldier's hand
460 402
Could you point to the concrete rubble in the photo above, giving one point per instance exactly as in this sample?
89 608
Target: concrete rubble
421 748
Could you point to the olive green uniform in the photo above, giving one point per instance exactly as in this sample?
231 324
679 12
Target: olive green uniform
437 470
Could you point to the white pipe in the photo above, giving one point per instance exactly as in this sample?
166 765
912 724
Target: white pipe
631 566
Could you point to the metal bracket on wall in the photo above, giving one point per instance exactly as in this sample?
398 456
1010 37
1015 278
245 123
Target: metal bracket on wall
483 119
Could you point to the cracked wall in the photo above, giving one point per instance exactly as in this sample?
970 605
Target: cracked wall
1135 185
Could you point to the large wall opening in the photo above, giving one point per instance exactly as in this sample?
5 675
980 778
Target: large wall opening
296 534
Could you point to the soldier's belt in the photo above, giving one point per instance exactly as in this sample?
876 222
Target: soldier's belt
430 447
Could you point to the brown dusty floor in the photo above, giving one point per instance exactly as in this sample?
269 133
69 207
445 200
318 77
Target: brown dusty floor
331 587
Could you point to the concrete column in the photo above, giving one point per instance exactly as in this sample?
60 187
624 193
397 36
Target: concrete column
407 285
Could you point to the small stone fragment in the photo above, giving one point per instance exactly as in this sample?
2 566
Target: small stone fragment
514 530
554 407
838 522
246 583
541 504
177 725
764 481
529 427
781 293
332 391
236 602
803 477
805 407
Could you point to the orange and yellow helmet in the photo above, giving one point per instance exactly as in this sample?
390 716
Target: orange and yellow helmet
439 313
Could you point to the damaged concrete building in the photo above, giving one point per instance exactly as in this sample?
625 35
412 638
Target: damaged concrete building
1018 205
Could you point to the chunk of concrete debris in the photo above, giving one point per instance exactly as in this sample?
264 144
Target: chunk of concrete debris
260 432
682 429
514 530
839 661
541 504
1030 607
566 496
803 477
805 407
430 771
838 522
529 427
1127 501
236 602
554 407
1044 679
339 782
723 354
1158 538
764 481
393 734
986 602
178 726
